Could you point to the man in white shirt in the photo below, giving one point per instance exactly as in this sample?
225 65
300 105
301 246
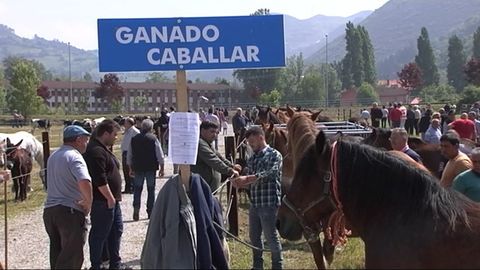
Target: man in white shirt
130 132
403 109
210 117
433 133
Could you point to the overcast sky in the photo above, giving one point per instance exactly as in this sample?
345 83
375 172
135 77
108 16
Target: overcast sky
75 21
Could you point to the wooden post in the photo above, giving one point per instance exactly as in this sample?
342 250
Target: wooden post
338 114
350 113
344 116
46 155
182 106
233 215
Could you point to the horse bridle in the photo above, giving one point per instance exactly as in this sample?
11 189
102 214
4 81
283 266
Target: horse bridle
312 234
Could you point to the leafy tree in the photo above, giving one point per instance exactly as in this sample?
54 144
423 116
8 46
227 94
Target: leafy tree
43 92
425 59
87 77
23 93
334 83
257 81
221 81
472 71
470 95
42 73
273 98
157 77
139 102
109 88
410 77
439 94
291 76
366 94
476 44
368 56
117 106
2 91
456 63
312 85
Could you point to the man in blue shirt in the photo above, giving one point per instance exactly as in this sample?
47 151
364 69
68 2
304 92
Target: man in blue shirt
433 133
468 182
264 179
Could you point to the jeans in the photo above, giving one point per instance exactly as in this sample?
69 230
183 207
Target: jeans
264 219
67 231
138 188
107 229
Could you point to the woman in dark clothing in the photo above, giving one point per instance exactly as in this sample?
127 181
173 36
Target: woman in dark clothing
424 122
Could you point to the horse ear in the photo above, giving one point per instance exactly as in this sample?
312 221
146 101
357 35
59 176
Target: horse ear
290 111
270 128
320 143
315 116
8 142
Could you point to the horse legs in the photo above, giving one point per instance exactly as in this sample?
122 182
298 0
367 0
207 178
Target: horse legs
316 248
16 188
23 187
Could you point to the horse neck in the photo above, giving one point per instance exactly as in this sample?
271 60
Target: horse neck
301 136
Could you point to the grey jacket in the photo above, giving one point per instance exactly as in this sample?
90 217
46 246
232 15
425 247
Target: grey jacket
210 165
171 241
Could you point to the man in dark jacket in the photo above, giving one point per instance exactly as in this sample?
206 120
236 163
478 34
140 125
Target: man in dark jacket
106 215
239 122
144 157
376 114
210 163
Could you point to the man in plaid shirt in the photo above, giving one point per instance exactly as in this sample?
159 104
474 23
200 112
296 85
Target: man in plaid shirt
265 168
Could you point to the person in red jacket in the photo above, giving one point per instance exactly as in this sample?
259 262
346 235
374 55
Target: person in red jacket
464 127
396 116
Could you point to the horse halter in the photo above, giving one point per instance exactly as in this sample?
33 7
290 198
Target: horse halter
311 234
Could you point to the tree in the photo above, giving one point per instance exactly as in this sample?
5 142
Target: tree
366 94
368 55
109 89
425 59
439 94
157 77
43 92
42 73
472 71
272 99
139 102
23 93
87 77
410 77
221 81
470 95
2 91
476 44
257 81
456 64
291 76
312 85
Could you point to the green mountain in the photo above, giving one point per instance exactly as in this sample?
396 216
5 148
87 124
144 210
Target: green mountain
395 27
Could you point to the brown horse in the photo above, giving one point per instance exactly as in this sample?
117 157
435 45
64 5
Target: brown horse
21 161
402 214
266 116
430 153
301 135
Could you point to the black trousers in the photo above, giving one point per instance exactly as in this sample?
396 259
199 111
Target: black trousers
126 175
67 231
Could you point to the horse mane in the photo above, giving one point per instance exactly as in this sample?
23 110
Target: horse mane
301 134
394 192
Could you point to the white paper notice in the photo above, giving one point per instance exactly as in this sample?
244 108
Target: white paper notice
183 137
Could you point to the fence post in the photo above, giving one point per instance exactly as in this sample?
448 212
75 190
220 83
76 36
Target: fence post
230 154
338 114
344 116
5 217
46 155
350 113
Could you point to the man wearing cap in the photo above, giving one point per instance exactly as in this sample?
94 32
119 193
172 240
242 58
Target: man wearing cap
130 132
69 200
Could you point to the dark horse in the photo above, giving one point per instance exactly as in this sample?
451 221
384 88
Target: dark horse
403 215
21 168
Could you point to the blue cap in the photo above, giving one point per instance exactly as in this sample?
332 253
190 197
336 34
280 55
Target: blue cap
74 131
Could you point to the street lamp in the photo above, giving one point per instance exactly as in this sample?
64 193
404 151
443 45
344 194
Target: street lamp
70 78
198 101
326 68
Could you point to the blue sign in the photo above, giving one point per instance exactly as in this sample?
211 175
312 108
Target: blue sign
191 43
